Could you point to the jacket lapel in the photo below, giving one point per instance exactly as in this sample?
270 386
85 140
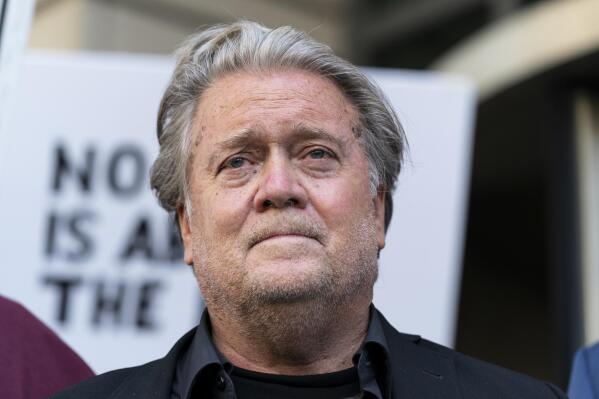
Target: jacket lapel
419 371
154 380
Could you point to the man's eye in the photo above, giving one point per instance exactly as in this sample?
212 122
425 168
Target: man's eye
318 154
235 163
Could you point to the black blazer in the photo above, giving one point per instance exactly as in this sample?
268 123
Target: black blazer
420 370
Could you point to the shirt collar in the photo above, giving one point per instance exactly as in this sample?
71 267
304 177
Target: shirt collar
372 360
200 355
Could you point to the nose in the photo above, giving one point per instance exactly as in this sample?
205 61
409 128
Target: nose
279 186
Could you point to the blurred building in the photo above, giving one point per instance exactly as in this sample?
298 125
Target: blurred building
532 251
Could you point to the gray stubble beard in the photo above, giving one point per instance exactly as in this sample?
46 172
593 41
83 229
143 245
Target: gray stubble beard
287 320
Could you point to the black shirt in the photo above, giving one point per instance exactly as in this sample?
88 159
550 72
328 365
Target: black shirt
338 385
202 371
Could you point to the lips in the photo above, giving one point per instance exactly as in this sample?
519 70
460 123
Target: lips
266 234
277 235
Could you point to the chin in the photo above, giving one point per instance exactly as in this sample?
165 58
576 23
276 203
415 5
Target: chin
289 280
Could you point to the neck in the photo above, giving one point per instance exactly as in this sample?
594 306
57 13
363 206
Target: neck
293 339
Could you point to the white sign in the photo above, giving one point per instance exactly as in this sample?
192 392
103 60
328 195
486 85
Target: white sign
87 249
15 20
421 265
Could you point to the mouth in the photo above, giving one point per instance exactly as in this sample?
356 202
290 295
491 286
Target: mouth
260 238
284 235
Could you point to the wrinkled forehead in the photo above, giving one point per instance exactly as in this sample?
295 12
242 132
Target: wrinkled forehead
277 99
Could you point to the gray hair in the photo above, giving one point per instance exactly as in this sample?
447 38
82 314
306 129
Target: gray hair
248 46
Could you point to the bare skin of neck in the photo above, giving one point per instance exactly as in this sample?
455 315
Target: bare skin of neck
282 341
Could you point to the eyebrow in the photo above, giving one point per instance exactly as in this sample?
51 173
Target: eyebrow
309 132
250 136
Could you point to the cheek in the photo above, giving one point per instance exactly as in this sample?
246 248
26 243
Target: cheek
344 203
224 212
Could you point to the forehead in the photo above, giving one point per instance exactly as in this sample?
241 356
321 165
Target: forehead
276 100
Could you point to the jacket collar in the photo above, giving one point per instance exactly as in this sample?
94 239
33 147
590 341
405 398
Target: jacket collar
420 369
154 380
202 359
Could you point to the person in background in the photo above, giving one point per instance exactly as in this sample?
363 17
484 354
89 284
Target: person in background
584 380
34 362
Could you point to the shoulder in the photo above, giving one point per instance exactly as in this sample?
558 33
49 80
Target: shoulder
19 320
32 354
476 376
469 377
587 359
153 379
104 385
585 374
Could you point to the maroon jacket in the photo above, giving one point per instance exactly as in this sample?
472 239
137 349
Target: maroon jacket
34 362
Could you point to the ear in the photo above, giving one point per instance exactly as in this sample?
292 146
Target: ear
379 209
185 234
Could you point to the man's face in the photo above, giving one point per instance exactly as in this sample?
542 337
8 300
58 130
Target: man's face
281 208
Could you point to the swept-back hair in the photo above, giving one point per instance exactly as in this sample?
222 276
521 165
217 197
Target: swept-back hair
248 46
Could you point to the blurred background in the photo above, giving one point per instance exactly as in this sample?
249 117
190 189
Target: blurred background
530 264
